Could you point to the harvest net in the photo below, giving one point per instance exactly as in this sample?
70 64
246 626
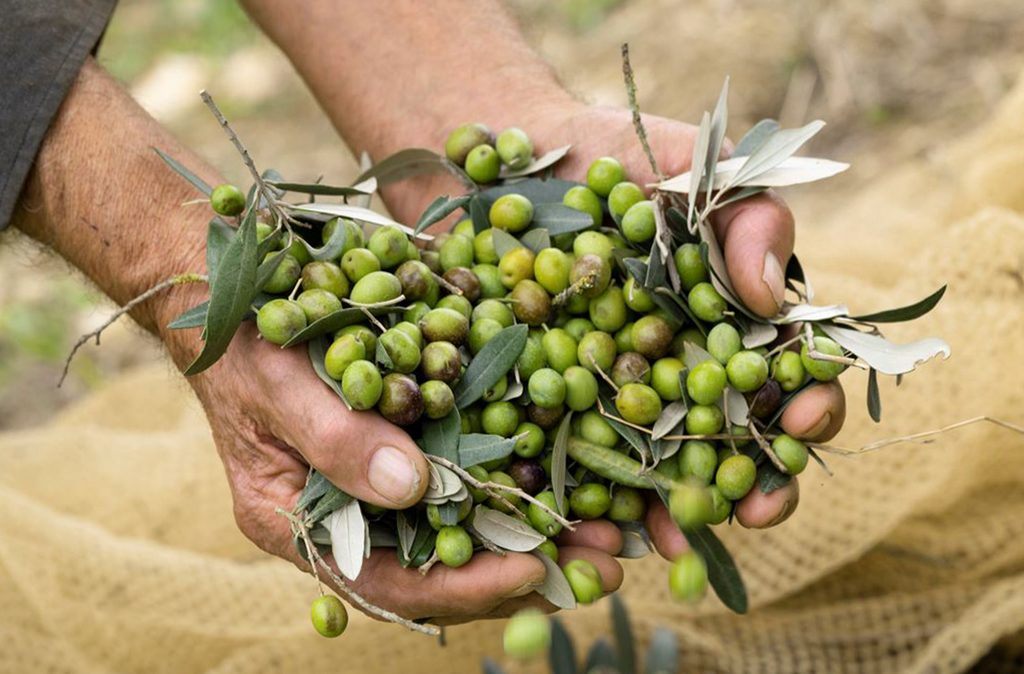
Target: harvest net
118 551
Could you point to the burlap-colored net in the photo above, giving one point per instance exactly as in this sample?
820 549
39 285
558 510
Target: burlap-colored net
118 552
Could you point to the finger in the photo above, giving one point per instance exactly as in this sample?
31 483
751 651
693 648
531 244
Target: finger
611 570
817 413
757 236
506 609
360 452
758 510
475 589
667 538
597 534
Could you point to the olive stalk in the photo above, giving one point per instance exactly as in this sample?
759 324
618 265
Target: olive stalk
494 489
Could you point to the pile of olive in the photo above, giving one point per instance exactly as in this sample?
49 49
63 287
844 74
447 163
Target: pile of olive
594 331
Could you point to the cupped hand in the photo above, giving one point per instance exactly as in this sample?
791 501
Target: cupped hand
757 235
272 419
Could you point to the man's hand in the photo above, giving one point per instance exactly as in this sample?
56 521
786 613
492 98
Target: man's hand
757 235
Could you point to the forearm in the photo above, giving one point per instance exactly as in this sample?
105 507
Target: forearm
401 73
102 199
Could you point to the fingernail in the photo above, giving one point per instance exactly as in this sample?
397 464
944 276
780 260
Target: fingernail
782 515
819 427
393 475
774 278
525 589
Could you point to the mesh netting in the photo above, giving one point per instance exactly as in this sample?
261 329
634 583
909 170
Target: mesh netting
119 553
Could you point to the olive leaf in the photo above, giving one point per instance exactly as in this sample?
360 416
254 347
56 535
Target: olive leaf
478 213
670 417
492 363
328 503
365 188
797 313
506 531
348 538
623 630
628 433
476 448
795 272
422 544
410 163
775 149
331 250
562 654
448 513
560 219
407 531
382 357
439 209
555 587
558 460
335 321
756 333
874 396
694 355
316 486
317 349
537 164
755 137
536 239
218 236
730 172
662 653
231 294
697 163
504 242
267 267
382 536
601 658
740 194
738 408
491 667
441 436
770 478
885 356
636 542
359 214
907 313
722 572
196 181
538 191
719 120
655 276
190 318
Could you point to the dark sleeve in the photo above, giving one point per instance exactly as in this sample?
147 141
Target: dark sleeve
43 44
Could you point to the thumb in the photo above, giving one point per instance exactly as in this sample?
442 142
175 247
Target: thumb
359 452
757 237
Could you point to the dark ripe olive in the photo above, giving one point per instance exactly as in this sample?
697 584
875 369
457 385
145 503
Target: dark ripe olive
594 267
441 361
464 280
531 303
529 476
546 418
652 336
416 279
630 368
766 400
401 401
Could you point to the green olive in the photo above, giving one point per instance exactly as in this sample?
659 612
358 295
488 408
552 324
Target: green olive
638 223
438 399
490 281
481 332
698 460
622 197
404 353
637 299
665 378
511 212
638 404
583 199
330 618
457 251
531 359
735 476
527 633
505 480
463 139
551 269
531 440
652 336
724 342
688 578
363 334
483 247
500 418
317 304
344 351
608 310
353 233
390 245
791 452
376 287
822 370
721 506
280 320
516 266
690 266
227 200
549 549
789 371
577 327
593 243
559 349
531 303
542 520
747 371
706 303
590 501
358 263
584 580
445 325
454 547
593 274
483 164
690 505
604 174
628 505
596 351
546 388
362 385
580 388
704 420
706 382
285 275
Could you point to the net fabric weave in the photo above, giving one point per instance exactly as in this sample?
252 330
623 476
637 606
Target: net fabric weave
118 551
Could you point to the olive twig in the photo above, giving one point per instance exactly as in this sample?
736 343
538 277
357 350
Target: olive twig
767 448
375 305
585 282
638 124
782 347
299 527
177 280
447 285
373 319
605 413
915 437
425 568
493 487
601 372
732 441
484 541
814 354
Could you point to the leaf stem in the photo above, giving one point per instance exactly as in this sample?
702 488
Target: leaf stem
767 448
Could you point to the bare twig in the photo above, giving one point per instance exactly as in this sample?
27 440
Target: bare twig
814 354
300 529
601 372
586 282
638 124
493 487
915 437
447 285
375 305
767 448
429 564
180 279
